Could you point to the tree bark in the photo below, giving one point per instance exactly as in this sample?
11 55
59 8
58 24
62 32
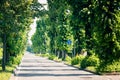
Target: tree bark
4 53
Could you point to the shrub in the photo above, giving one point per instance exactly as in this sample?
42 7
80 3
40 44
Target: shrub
51 57
15 60
57 59
45 55
68 59
77 60
90 61
109 66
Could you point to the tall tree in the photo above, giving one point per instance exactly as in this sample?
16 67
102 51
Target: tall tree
107 26
78 22
53 15
15 19
40 39
59 24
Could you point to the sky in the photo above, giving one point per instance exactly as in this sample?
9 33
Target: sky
32 31
33 25
43 1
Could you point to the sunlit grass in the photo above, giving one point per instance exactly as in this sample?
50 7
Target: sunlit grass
5 75
91 68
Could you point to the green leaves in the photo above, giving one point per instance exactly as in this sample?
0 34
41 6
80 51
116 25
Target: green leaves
15 19
90 24
40 38
107 29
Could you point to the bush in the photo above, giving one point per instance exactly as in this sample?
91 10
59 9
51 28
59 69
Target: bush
77 60
109 66
68 59
90 61
15 60
51 57
45 55
57 59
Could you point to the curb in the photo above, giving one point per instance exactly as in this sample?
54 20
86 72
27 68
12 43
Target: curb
77 67
82 69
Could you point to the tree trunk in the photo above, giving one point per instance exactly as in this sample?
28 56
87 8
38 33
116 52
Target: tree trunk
7 55
73 51
58 53
64 54
4 53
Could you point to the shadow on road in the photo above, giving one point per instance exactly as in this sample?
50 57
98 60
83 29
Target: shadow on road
46 74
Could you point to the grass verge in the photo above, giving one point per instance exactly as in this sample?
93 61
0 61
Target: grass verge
5 75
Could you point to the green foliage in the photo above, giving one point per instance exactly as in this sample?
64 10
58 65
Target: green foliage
91 68
40 40
57 59
92 25
107 31
17 43
15 19
38 9
77 59
68 59
80 23
90 61
51 57
109 67
1 52
5 75
45 55
15 60
59 31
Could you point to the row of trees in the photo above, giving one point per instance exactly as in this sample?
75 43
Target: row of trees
71 26
54 30
15 19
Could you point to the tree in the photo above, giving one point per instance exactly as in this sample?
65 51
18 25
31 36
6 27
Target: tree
40 39
15 19
79 22
59 26
107 30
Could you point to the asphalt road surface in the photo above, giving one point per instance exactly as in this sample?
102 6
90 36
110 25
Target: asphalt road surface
37 68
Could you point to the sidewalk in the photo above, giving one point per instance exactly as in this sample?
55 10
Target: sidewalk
37 68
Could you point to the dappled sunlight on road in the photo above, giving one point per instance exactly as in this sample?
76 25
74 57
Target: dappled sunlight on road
38 68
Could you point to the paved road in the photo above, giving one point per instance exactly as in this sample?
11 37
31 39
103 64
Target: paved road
37 68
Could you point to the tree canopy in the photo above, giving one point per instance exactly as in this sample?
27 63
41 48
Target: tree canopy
89 25
15 19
